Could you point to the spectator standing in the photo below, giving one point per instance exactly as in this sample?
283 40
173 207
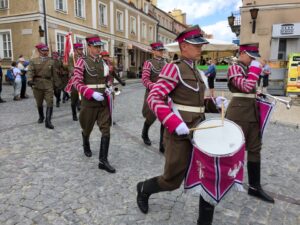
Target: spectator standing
23 68
264 76
211 76
1 75
17 82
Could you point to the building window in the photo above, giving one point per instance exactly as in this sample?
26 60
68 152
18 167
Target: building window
61 5
146 7
120 20
60 41
80 8
132 25
151 33
3 4
282 49
144 30
102 14
5 45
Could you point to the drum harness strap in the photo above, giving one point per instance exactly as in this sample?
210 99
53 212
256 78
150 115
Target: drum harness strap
189 108
96 86
243 95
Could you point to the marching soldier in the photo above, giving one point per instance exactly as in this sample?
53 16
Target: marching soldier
75 102
182 82
242 109
151 70
41 77
90 81
57 84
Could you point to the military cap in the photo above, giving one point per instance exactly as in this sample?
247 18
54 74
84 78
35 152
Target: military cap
250 49
157 46
104 53
94 40
78 46
192 35
42 47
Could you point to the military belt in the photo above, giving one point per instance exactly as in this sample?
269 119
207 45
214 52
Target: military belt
96 86
187 108
244 95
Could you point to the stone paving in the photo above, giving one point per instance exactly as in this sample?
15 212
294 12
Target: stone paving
46 179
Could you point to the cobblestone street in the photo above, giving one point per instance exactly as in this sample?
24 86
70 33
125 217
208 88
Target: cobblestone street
46 179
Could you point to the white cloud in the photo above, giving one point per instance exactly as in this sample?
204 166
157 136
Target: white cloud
220 31
196 9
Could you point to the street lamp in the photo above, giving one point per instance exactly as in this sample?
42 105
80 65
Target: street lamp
231 20
41 31
234 24
254 12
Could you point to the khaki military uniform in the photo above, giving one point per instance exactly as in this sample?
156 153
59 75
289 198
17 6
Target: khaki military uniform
178 149
42 72
244 112
91 110
157 66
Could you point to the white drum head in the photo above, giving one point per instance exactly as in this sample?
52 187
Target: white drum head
220 141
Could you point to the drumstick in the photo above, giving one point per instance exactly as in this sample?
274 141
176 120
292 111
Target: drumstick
222 109
207 127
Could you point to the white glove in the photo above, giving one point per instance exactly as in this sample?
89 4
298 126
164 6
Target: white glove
219 101
98 96
108 90
256 63
182 129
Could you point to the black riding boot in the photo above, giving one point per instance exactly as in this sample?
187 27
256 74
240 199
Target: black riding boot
66 96
145 134
41 114
57 93
144 190
206 212
48 123
161 146
74 113
103 162
255 188
86 146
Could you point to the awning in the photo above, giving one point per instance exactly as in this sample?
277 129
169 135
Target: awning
142 47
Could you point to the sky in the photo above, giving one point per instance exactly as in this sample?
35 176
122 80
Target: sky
210 15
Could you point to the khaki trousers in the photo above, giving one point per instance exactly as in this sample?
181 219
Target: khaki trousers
43 94
89 115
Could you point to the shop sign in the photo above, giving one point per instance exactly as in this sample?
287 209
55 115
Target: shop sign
286 30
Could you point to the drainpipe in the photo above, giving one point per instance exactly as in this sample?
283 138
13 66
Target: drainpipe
45 22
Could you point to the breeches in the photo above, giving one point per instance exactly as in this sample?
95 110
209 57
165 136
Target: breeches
177 156
253 139
74 97
41 95
89 115
147 112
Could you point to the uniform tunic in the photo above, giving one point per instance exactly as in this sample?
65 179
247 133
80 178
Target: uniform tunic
43 73
243 110
90 71
183 84
151 70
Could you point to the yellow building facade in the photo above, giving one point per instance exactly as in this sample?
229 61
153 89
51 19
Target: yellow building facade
125 27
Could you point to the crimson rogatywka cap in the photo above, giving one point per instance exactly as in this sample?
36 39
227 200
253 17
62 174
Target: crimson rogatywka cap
250 49
192 35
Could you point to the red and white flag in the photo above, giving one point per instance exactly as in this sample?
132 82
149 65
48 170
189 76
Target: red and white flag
68 48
